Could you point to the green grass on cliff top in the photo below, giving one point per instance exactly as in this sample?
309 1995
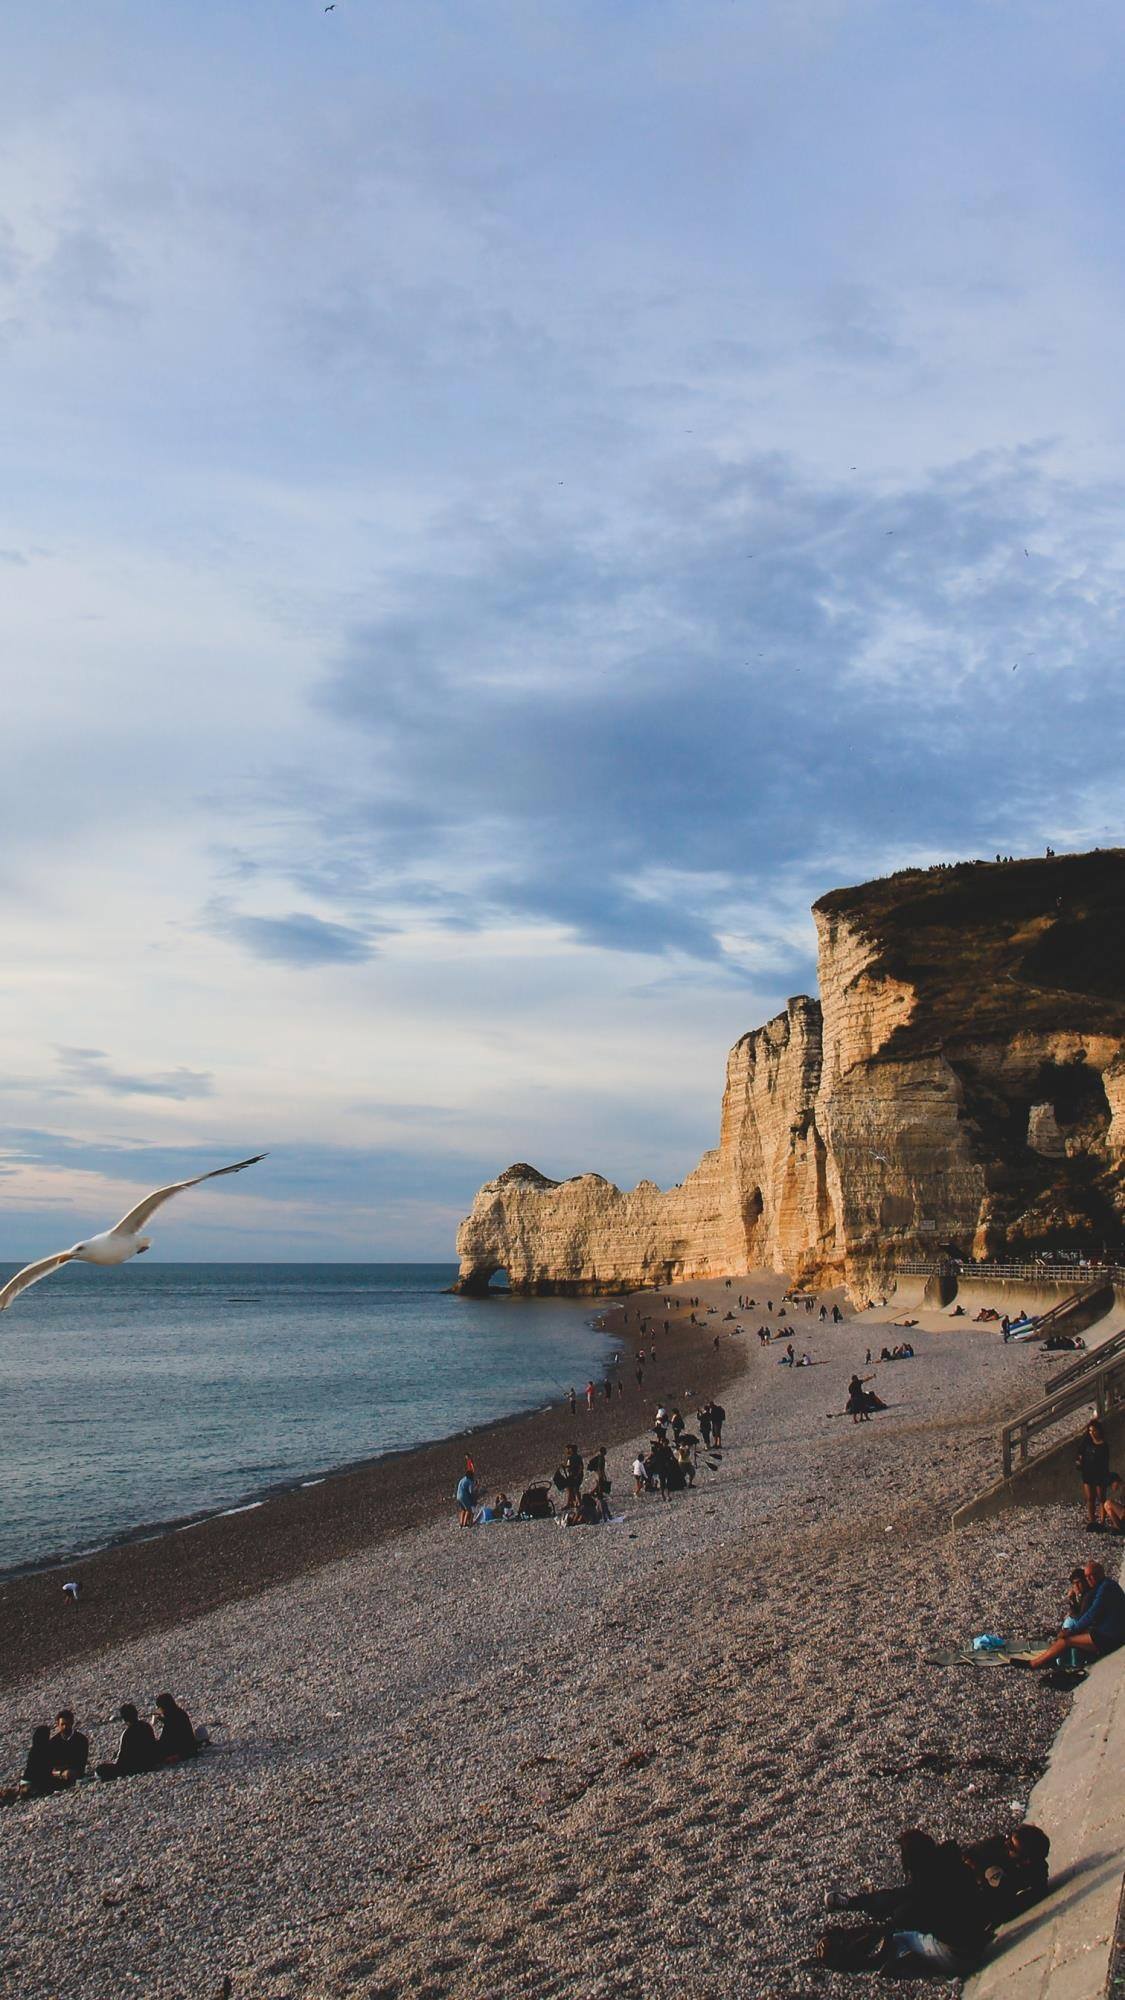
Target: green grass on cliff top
994 948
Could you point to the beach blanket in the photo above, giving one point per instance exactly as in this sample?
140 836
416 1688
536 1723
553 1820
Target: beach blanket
964 1656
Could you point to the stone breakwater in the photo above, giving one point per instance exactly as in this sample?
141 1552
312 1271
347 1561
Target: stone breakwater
961 1077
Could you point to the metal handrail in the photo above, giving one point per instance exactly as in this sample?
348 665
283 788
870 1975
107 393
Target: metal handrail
1095 1358
1103 1386
1110 1274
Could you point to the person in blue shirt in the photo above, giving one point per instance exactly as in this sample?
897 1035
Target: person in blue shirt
466 1500
1101 1627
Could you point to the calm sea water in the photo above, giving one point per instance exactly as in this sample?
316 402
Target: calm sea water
134 1397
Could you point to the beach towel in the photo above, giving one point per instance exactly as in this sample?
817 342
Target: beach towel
993 1656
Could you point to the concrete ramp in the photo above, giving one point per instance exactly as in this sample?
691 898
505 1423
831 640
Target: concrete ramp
1062 1949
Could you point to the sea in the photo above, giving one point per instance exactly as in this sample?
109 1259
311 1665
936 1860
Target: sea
136 1398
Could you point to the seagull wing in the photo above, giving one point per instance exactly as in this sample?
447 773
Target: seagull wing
31 1274
137 1217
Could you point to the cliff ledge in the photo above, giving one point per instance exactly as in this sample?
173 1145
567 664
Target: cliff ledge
961 1078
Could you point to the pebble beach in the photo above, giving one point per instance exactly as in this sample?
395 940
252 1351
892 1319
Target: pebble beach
526 1761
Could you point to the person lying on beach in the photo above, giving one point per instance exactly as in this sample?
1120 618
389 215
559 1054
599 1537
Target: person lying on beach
935 1921
177 1739
1012 1871
137 1751
1099 1630
70 1750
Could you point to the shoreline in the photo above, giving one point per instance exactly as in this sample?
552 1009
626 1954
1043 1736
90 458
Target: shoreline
260 1496
165 1574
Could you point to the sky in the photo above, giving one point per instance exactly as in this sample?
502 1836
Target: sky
502 506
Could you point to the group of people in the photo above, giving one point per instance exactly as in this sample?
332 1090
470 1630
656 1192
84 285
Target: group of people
59 1757
942 1914
669 1464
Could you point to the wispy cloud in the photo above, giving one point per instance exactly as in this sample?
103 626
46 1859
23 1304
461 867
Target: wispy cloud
91 1069
299 938
533 498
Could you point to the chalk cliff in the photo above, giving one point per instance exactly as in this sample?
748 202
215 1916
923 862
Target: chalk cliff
961 1078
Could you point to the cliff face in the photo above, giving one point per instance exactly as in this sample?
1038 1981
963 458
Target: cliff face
961 1078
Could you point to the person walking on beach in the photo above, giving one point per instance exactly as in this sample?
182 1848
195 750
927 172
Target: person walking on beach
703 1419
589 1396
718 1419
466 1500
640 1477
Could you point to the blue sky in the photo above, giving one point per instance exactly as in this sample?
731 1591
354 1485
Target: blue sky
504 505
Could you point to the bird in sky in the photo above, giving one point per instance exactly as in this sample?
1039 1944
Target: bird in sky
116 1245
331 7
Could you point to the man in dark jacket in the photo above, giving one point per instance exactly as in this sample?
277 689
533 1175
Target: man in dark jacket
1099 1630
70 1750
137 1751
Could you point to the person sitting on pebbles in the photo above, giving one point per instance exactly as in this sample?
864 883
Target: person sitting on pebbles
1099 1630
177 1738
70 1749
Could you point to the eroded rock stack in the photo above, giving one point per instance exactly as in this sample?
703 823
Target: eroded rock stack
961 1080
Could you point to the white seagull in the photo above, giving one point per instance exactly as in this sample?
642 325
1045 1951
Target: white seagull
116 1245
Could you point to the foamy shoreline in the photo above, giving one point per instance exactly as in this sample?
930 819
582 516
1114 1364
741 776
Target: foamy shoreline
534 1761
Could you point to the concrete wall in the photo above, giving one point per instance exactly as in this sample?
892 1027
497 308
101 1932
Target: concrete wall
1047 1479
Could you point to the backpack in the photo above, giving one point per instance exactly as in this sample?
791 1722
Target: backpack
535 1501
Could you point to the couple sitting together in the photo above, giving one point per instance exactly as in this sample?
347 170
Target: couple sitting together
941 1916
1095 1624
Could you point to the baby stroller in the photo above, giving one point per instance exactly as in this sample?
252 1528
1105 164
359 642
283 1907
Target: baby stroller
535 1504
